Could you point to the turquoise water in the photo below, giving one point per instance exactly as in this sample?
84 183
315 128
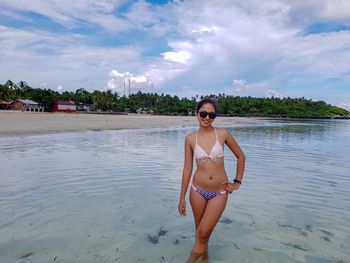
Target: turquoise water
111 196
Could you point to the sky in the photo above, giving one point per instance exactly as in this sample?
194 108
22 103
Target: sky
255 48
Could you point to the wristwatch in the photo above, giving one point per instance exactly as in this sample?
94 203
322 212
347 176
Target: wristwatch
237 181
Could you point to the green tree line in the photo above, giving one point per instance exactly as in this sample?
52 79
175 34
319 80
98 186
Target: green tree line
228 105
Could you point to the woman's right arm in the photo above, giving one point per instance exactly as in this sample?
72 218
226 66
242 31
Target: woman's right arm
186 175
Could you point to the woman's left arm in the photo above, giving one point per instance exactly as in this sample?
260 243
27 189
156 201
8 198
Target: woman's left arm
237 151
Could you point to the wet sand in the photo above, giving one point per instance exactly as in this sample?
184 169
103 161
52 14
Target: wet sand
27 123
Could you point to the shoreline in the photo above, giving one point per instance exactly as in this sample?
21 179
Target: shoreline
14 123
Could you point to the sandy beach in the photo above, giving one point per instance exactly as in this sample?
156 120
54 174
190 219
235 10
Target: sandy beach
29 123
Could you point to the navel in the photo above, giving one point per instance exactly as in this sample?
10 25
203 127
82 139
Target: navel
210 177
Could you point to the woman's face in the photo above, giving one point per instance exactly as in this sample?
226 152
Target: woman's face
207 121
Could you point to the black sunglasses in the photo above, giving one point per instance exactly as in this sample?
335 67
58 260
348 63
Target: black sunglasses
204 114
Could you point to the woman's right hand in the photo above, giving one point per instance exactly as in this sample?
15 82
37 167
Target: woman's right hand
182 207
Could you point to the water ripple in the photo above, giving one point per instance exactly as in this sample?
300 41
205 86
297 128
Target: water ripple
296 176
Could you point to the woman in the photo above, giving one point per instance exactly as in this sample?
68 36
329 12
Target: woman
210 184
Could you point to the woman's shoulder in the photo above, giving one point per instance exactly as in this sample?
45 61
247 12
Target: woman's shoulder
191 137
223 132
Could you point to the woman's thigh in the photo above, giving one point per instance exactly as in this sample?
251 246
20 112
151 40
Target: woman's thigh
198 204
212 213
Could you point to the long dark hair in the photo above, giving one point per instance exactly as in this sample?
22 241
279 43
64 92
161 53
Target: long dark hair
205 101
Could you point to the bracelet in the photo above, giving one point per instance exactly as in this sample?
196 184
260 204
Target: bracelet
237 181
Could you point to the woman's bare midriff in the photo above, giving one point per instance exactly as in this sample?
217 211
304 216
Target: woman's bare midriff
210 175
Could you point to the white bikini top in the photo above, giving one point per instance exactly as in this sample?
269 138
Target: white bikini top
216 152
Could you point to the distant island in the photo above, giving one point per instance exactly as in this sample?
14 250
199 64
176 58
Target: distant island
228 105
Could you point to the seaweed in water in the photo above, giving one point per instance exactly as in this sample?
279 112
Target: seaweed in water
298 229
326 238
308 228
162 259
327 233
302 232
226 220
153 239
162 232
313 259
294 246
26 255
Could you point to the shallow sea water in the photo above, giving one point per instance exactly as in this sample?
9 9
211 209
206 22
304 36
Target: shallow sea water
111 196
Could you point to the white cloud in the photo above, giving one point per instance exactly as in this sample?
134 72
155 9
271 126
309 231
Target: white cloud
243 88
274 93
208 42
203 29
69 62
325 55
115 73
18 42
239 84
321 10
215 47
139 79
163 73
127 83
345 105
186 91
142 14
261 43
59 88
181 56
72 14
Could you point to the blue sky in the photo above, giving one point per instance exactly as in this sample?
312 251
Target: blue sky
246 48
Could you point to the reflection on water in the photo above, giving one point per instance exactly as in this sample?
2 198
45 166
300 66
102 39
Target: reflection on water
111 196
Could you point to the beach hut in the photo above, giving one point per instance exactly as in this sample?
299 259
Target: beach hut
142 111
4 105
26 105
84 107
64 106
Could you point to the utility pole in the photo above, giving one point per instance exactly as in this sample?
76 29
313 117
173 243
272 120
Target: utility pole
129 86
124 86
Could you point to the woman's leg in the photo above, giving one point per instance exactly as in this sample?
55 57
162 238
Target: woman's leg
198 204
213 211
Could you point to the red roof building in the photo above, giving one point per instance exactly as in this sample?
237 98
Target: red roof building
64 106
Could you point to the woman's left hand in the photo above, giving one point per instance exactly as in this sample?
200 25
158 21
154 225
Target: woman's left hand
230 187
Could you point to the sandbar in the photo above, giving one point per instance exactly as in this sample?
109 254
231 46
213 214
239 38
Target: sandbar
30 123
